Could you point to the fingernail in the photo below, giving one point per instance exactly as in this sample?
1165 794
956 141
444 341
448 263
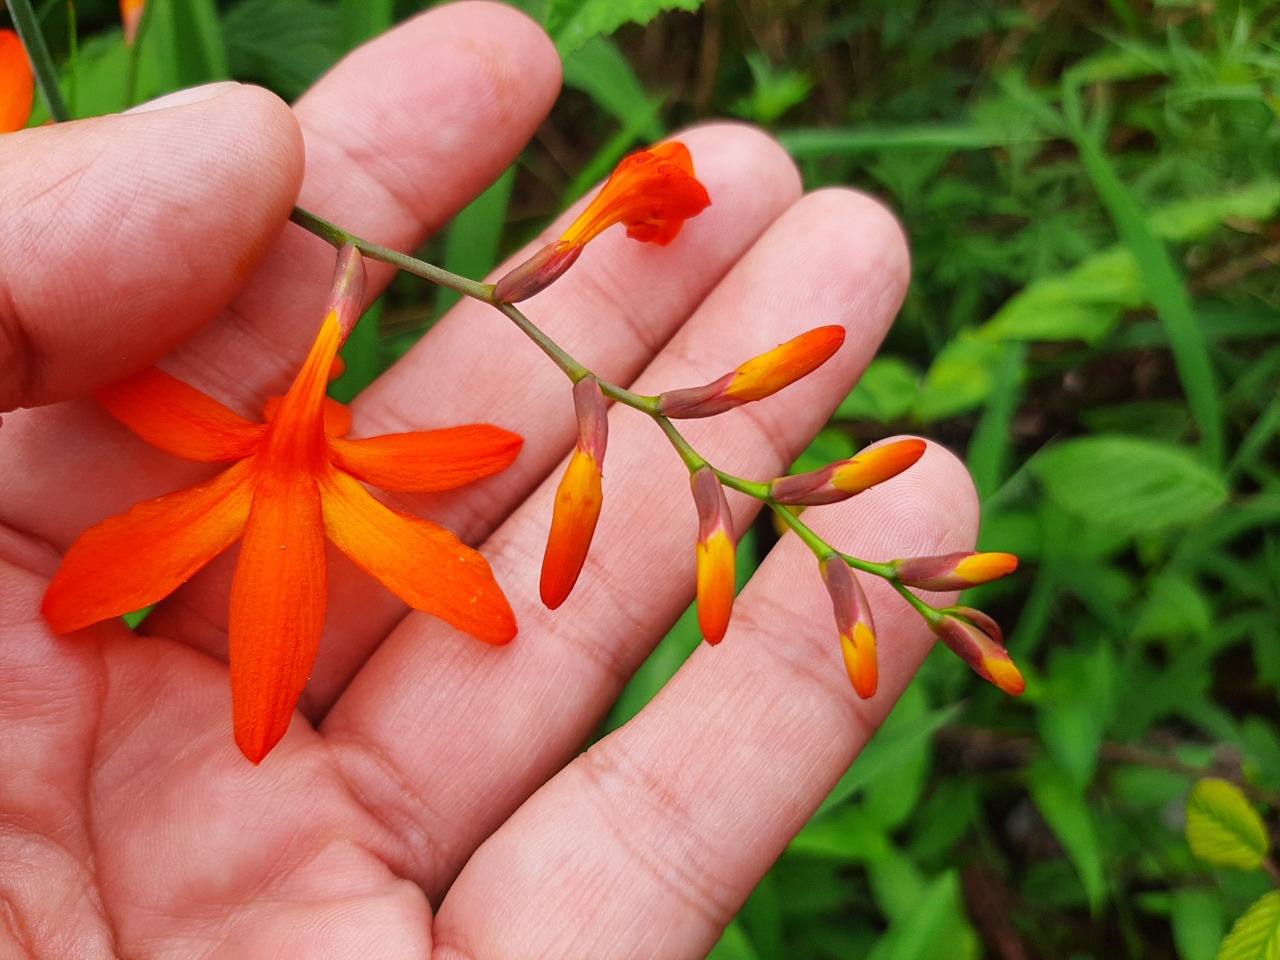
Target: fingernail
181 98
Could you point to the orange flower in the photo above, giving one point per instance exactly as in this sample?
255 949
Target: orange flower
17 83
853 620
846 478
131 16
291 484
716 551
578 498
756 379
652 192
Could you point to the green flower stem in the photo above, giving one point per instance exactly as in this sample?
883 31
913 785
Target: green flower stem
571 367
337 237
692 459
24 21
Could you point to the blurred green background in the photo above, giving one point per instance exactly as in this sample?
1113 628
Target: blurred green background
1091 191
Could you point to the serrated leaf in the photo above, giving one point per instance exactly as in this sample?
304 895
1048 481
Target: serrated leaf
572 23
1130 484
1223 828
1256 935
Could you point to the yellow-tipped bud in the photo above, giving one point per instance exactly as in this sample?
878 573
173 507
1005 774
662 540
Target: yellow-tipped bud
954 571
716 555
976 639
578 498
756 379
846 478
853 621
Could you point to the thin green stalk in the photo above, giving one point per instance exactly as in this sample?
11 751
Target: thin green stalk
24 21
135 57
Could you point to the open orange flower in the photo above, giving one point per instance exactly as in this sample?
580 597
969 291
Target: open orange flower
652 192
292 482
17 84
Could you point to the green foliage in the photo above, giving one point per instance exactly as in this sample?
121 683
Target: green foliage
1256 935
1223 829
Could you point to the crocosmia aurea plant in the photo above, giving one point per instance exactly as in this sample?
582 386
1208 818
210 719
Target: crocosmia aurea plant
17 83
294 480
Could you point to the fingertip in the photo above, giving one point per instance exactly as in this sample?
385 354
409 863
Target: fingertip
124 234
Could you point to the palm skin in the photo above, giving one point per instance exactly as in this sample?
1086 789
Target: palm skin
430 801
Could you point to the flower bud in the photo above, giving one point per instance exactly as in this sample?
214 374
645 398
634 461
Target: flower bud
537 273
853 620
756 379
845 478
578 498
716 580
976 639
346 294
954 571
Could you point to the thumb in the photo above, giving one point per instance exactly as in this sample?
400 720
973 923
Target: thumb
125 234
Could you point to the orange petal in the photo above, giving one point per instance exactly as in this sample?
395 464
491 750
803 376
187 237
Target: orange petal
573 524
859 649
716 583
295 435
423 564
428 460
141 556
336 415
652 191
17 84
278 601
177 417
131 17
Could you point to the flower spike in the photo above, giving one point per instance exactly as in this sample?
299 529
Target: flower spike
846 478
293 482
578 498
976 639
17 83
756 379
716 575
853 620
954 571
652 192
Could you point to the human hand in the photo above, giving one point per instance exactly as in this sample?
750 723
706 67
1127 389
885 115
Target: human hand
435 775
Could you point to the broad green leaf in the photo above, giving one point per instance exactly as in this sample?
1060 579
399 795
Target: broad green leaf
1190 219
572 23
885 392
1128 483
1081 304
284 44
849 835
960 379
934 928
1069 816
1176 606
599 70
1223 829
199 51
1078 704
1256 935
1195 916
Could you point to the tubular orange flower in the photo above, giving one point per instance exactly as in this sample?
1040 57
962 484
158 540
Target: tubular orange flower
578 498
756 379
954 571
853 620
291 484
131 16
976 639
846 478
716 551
17 83
652 192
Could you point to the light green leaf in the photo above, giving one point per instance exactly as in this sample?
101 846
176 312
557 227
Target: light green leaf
1130 484
1081 304
1256 935
1196 920
572 23
1223 828
734 945
885 392
960 379
1194 218
1069 816
599 70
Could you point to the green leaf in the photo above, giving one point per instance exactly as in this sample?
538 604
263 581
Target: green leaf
885 392
1196 920
1068 815
1191 219
1223 829
863 139
572 23
960 379
1256 935
734 945
471 243
1128 483
1081 304
599 70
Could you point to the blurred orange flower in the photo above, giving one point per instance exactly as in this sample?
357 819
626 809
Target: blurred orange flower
652 192
131 17
294 480
17 84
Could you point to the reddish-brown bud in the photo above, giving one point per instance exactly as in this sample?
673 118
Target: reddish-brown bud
537 273
853 621
845 478
976 639
954 571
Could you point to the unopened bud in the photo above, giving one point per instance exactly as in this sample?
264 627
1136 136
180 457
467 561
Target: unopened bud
537 273
853 621
954 571
976 639
845 478
716 555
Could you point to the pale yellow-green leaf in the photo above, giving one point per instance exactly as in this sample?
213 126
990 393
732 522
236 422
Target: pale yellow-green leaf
1256 935
1223 828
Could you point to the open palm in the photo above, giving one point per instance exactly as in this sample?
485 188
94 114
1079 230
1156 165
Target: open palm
431 801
